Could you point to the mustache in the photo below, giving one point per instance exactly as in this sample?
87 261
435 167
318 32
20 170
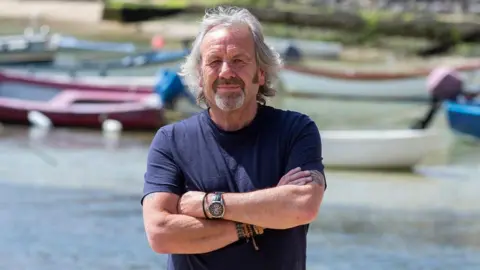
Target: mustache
234 81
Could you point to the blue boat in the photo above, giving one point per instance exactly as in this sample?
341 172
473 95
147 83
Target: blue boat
135 64
69 42
464 118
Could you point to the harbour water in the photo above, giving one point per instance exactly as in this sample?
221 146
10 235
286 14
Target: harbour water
69 199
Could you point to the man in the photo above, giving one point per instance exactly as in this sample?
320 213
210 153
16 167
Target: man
235 186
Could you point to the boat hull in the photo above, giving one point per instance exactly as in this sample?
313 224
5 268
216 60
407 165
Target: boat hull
131 120
16 58
464 118
304 84
77 108
377 149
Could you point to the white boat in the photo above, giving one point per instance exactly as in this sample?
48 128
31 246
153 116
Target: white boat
307 48
377 149
41 46
317 82
28 48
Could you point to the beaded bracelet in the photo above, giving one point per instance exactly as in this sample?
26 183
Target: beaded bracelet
247 231
240 230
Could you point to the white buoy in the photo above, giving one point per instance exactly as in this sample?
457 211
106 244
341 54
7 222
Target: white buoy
39 119
111 130
111 125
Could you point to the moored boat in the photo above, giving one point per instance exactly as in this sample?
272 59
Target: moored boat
26 49
464 117
305 48
78 108
318 82
377 149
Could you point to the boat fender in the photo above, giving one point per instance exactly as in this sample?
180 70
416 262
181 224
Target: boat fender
38 119
111 125
169 86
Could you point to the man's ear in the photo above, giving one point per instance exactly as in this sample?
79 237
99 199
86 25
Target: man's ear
261 77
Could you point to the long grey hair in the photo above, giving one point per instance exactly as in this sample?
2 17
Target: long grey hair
268 60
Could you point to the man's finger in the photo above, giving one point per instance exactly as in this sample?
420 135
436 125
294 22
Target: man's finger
292 171
301 181
297 175
289 176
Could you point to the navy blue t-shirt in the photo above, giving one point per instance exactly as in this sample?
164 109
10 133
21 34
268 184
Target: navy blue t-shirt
196 155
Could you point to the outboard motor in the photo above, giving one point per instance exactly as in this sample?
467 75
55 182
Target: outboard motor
169 87
444 83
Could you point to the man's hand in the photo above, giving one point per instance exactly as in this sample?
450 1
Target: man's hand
296 177
191 204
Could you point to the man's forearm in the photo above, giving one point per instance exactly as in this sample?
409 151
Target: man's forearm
276 208
181 234
290 204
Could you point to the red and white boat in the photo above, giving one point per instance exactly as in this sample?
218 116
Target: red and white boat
79 108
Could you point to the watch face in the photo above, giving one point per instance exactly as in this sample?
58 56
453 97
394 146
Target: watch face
216 209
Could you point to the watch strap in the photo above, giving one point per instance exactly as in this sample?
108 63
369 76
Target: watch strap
204 201
218 197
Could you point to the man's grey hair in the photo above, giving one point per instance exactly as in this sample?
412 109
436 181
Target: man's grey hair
268 60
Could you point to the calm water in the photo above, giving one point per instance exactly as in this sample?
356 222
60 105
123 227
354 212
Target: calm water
69 199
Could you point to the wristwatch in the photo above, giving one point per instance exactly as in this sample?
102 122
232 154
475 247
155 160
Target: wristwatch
217 206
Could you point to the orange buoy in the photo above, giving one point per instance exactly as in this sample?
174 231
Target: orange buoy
157 42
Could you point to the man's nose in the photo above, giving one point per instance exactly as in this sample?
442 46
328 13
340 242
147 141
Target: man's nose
226 70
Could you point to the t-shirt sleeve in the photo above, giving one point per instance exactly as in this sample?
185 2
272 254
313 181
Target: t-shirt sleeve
305 147
162 174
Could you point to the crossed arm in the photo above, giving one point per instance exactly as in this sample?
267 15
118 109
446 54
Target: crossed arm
294 201
176 224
